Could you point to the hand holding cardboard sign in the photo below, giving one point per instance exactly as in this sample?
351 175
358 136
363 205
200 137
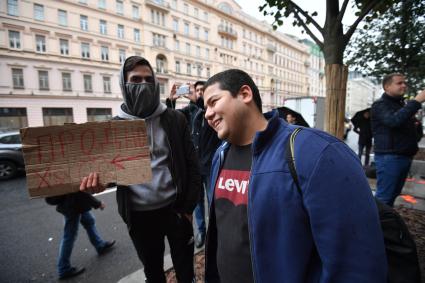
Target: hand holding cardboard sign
90 184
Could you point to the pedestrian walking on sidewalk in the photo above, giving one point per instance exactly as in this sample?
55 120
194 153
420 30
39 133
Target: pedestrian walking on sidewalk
395 136
364 129
265 228
75 208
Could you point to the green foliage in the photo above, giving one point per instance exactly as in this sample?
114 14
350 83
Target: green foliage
393 43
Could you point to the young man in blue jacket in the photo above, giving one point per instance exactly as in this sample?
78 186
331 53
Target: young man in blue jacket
262 229
396 138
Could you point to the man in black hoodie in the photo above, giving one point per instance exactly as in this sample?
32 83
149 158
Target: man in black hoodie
163 206
206 142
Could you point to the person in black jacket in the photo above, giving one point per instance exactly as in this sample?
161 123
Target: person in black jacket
205 141
395 136
364 129
162 207
75 208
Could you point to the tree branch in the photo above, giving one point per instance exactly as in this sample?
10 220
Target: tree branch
297 9
342 11
309 32
363 14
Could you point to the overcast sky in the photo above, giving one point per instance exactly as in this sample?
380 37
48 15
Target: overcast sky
251 7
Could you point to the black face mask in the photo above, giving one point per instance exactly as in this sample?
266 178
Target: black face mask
141 99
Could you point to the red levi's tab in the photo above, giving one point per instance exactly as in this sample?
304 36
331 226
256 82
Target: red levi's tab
233 185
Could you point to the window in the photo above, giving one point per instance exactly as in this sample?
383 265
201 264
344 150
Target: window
178 67
160 65
176 45
83 2
188 48
85 50
57 116
207 53
161 89
101 4
104 53
135 11
14 39
18 78
198 51
174 4
84 23
197 32
206 35
87 83
120 31
157 18
13 118
158 40
66 82
106 84
175 25
186 28
64 46
136 35
99 114
43 80
186 9
208 72
120 7
39 12
12 8
199 70
122 55
196 12
62 18
40 43
103 27
188 69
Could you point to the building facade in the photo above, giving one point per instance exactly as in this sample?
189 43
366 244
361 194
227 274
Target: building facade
60 60
361 92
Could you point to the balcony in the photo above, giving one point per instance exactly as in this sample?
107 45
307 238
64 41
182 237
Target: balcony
271 48
159 4
227 31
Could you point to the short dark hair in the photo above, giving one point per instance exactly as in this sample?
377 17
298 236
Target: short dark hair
389 78
232 80
132 62
200 83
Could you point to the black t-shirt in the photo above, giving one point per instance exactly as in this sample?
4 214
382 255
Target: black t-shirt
231 199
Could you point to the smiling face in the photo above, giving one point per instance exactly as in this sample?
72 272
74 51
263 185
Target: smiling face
224 112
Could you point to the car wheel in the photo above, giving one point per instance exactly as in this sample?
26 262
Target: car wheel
7 170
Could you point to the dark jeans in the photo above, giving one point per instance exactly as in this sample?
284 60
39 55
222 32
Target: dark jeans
200 207
70 232
148 230
391 170
367 153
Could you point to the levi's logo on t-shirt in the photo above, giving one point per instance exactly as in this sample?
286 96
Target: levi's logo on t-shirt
233 185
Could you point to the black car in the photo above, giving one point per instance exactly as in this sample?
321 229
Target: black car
11 158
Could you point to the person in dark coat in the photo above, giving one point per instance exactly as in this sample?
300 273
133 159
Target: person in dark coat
75 208
364 129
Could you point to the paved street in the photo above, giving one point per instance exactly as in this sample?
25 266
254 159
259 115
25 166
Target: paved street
30 235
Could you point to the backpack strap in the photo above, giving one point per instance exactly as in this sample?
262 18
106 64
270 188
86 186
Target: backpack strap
290 158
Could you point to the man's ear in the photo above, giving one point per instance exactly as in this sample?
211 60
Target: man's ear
245 94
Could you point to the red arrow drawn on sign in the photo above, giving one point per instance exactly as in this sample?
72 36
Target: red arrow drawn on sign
117 161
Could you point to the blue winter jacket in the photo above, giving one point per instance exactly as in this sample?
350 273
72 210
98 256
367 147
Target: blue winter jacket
393 125
329 233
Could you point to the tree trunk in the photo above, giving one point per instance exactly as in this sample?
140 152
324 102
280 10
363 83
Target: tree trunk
336 87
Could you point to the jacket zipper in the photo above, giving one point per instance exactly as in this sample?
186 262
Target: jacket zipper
249 231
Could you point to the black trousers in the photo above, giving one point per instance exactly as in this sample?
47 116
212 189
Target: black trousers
367 153
148 230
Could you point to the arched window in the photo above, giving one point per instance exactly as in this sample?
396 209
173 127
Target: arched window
161 64
225 7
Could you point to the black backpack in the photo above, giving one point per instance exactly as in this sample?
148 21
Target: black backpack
402 257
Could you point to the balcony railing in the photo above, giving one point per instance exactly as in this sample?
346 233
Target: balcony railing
228 31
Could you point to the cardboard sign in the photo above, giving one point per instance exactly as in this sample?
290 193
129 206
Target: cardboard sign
58 157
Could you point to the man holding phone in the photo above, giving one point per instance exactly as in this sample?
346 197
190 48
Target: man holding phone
204 138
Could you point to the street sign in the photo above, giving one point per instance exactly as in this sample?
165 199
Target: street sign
58 157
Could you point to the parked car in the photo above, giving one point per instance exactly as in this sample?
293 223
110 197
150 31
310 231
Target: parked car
11 157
